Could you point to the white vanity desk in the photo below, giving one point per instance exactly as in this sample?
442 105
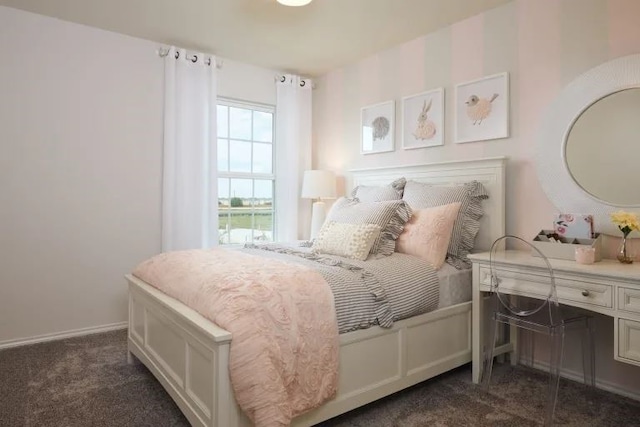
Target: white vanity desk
606 287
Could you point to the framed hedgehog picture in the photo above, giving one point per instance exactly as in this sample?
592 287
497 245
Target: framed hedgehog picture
377 128
482 109
423 119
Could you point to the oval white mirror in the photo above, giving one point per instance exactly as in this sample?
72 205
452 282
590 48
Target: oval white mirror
578 182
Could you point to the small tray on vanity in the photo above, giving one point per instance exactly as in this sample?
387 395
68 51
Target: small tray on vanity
565 247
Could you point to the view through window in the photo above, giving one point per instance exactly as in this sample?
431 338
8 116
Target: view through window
246 180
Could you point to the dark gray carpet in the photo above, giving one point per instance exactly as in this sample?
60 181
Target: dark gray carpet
87 382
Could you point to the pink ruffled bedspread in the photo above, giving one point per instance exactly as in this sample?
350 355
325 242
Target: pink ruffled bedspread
284 347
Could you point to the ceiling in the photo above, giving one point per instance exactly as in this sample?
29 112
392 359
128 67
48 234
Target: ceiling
308 40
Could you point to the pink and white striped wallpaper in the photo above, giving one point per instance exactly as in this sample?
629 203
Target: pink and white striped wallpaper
543 44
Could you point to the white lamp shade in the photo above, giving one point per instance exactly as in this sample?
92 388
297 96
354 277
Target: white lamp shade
318 184
294 2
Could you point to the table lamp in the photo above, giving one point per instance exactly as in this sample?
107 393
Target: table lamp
318 184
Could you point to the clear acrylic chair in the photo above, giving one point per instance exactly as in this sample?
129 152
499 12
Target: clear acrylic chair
540 316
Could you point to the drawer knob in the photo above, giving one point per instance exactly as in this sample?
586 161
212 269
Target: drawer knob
585 293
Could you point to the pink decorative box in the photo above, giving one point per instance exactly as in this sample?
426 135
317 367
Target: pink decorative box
578 226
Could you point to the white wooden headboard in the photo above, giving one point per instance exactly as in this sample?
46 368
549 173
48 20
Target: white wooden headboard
490 172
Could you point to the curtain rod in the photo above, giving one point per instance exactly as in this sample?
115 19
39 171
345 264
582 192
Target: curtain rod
303 81
162 52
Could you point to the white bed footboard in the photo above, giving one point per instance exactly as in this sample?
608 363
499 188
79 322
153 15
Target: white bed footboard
187 353
189 356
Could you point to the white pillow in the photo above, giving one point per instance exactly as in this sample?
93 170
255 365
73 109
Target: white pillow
346 240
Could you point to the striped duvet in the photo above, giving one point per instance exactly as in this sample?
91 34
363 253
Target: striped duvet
377 291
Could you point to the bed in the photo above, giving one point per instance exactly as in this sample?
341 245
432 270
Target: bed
189 354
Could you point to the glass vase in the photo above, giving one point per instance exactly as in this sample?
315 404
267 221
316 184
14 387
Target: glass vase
624 254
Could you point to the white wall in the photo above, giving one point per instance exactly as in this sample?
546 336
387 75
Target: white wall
247 82
80 168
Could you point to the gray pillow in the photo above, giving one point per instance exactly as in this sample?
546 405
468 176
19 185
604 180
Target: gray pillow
379 193
390 216
419 195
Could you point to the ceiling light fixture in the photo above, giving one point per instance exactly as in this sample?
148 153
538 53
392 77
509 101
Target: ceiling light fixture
294 2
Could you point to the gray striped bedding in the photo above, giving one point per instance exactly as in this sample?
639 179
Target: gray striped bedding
378 291
379 193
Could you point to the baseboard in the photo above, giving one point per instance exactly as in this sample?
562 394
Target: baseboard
62 335
579 377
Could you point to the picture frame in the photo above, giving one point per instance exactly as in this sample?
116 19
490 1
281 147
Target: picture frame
423 119
482 109
377 128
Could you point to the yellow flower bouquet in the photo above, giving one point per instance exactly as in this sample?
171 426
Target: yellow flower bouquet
626 222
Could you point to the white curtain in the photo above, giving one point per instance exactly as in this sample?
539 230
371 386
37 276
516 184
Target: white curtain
293 156
189 182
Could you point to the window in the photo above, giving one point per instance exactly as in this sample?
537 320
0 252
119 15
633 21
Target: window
246 181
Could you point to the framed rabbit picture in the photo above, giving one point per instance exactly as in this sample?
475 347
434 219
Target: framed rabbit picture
423 119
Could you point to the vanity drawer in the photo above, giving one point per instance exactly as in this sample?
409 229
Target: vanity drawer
534 284
628 341
629 299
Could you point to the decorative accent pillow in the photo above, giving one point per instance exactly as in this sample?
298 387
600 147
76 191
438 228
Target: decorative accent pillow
428 232
389 216
347 240
420 195
382 193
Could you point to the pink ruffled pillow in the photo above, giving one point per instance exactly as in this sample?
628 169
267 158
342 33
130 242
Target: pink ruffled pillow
428 232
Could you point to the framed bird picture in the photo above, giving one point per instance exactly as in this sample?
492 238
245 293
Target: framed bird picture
377 128
423 119
482 109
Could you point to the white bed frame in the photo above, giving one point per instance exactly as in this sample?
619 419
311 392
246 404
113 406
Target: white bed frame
189 354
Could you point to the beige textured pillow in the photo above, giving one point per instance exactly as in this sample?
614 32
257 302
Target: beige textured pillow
428 232
347 240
